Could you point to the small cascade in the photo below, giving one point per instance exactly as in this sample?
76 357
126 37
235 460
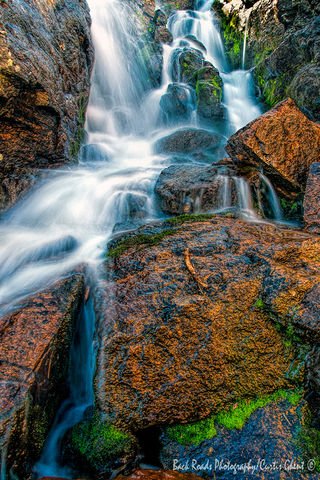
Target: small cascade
273 198
81 396
231 193
245 41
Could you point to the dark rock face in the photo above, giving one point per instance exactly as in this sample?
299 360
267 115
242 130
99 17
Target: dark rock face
45 64
266 436
282 45
172 333
178 102
188 141
189 189
34 353
283 141
186 62
311 203
190 67
208 85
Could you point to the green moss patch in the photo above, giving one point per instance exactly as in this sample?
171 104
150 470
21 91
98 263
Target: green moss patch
141 240
180 219
235 417
99 443
193 433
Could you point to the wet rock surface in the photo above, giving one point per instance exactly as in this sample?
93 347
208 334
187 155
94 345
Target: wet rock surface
311 203
44 86
188 141
191 189
266 440
173 334
283 141
35 341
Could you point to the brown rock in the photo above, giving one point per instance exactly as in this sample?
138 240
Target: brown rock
311 203
283 141
163 35
174 349
34 352
45 64
158 475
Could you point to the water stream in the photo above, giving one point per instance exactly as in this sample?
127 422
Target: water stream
69 217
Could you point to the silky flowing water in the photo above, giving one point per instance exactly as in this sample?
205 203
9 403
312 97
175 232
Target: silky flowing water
68 218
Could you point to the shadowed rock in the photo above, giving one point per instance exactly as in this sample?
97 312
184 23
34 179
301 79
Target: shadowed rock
188 141
34 356
311 202
44 86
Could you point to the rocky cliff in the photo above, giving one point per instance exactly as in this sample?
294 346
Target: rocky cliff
46 58
282 45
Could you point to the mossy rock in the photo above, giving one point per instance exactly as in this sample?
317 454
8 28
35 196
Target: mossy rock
235 417
99 447
232 37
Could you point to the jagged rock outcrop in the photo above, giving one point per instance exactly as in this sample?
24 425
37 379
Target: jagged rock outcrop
172 332
311 204
282 45
45 65
34 355
283 141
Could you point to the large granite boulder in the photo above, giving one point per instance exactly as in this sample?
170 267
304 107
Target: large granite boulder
46 59
194 316
283 141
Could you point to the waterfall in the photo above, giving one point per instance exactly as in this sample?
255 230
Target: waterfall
69 217
273 198
81 394
245 41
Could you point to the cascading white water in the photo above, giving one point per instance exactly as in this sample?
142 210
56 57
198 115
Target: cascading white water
68 218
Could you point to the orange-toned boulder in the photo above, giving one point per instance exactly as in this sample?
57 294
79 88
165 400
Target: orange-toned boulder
311 202
158 475
34 357
186 326
283 141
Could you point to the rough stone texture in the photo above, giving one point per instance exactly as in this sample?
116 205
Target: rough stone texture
45 64
34 348
158 475
190 189
267 436
177 103
188 141
186 62
311 202
185 325
208 86
283 141
282 45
